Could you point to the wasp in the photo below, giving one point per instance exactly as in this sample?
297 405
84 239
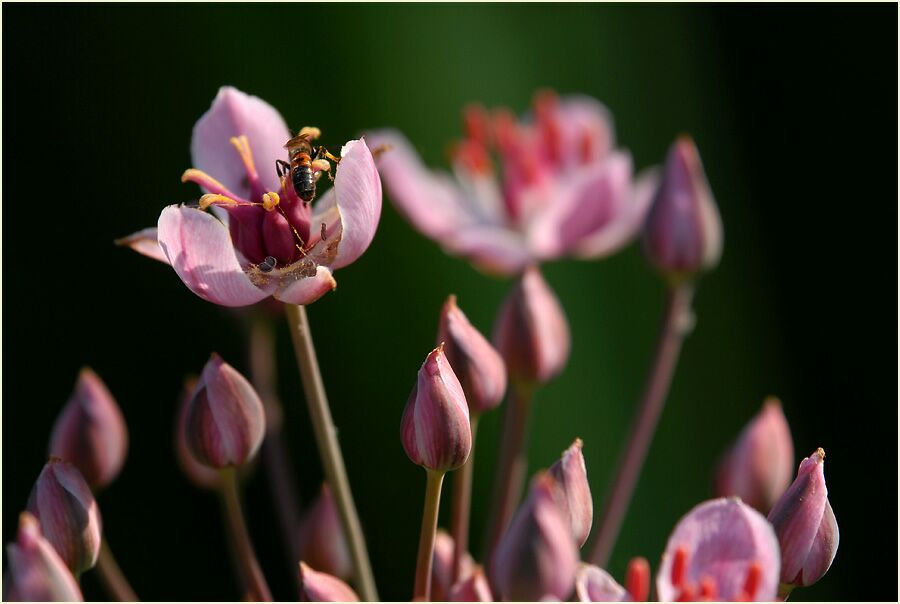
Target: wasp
305 164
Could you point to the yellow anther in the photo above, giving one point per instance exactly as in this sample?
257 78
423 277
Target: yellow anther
270 200
243 148
310 132
319 165
202 178
213 199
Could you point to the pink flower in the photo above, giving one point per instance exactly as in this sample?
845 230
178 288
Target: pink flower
322 541
571 477
548 186
721 550
321 587
35 572
442 566
263 240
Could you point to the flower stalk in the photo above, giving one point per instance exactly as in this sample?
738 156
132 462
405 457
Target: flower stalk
329 449
422 588
675 326
462 506
112 577
249 566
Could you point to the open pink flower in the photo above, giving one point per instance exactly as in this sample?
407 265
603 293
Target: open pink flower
548 186
263 239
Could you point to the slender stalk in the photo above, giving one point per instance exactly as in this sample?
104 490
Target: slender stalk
112 577
510 476
329 449
249 566
462 503
422 589
675 325
275 454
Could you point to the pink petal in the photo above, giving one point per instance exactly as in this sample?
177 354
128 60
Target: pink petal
593 584
358 196
431 201
144 242
200 250
493 249
234 113
308 289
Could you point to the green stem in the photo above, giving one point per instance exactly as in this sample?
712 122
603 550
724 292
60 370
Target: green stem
461 507
112 577
329 449
249 566
675 325
422 589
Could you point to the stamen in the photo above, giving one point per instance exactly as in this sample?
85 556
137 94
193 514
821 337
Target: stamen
213 199
637 579
270 200
586 147
310 132
477 124
754 578
688 593
473 156
323 232
679 566
243 148
708 589
546 104
380 149
320 165
506 130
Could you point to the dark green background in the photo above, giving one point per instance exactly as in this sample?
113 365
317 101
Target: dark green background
793 109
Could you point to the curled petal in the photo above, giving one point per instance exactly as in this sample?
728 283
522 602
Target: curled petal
308 289
200 250
321 587
358 190
431 202
593 584
144 242
235 113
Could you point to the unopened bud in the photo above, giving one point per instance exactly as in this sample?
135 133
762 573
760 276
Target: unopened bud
435 428
442 566
571 476
225 422
90 431
473 588
322 542
805 525
63 504
759 465
200 474
537 557
321 587
35 572
531 332
683 231
478 366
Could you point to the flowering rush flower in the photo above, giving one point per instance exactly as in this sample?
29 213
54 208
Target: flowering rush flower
550 185
263 239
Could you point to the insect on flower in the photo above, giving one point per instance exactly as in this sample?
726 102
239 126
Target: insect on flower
304 168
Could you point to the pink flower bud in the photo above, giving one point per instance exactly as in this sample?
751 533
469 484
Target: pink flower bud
474 361
442 566
683 231
225 421
63 504
36 573
805 525
593 584
200 474
531 331
322 587
722 550
759 465
90 431
435 428
537 556
571 476
473 588
322 541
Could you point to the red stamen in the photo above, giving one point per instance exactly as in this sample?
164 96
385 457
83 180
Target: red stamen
506 131
473 156
637 579
546 104
679 566
754 578
708 589
688 593
586 147
477 124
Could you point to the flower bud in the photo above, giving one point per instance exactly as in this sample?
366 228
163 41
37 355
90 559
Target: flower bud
531 332
435 428
759 465
478 366
537 556
722 550
225 421
805 525
322 587
90 432
322 541
63 504
473 588
683 230
571 476
442 566
35 572
593 584
201 475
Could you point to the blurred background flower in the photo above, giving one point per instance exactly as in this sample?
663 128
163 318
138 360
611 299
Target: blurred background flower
792 109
